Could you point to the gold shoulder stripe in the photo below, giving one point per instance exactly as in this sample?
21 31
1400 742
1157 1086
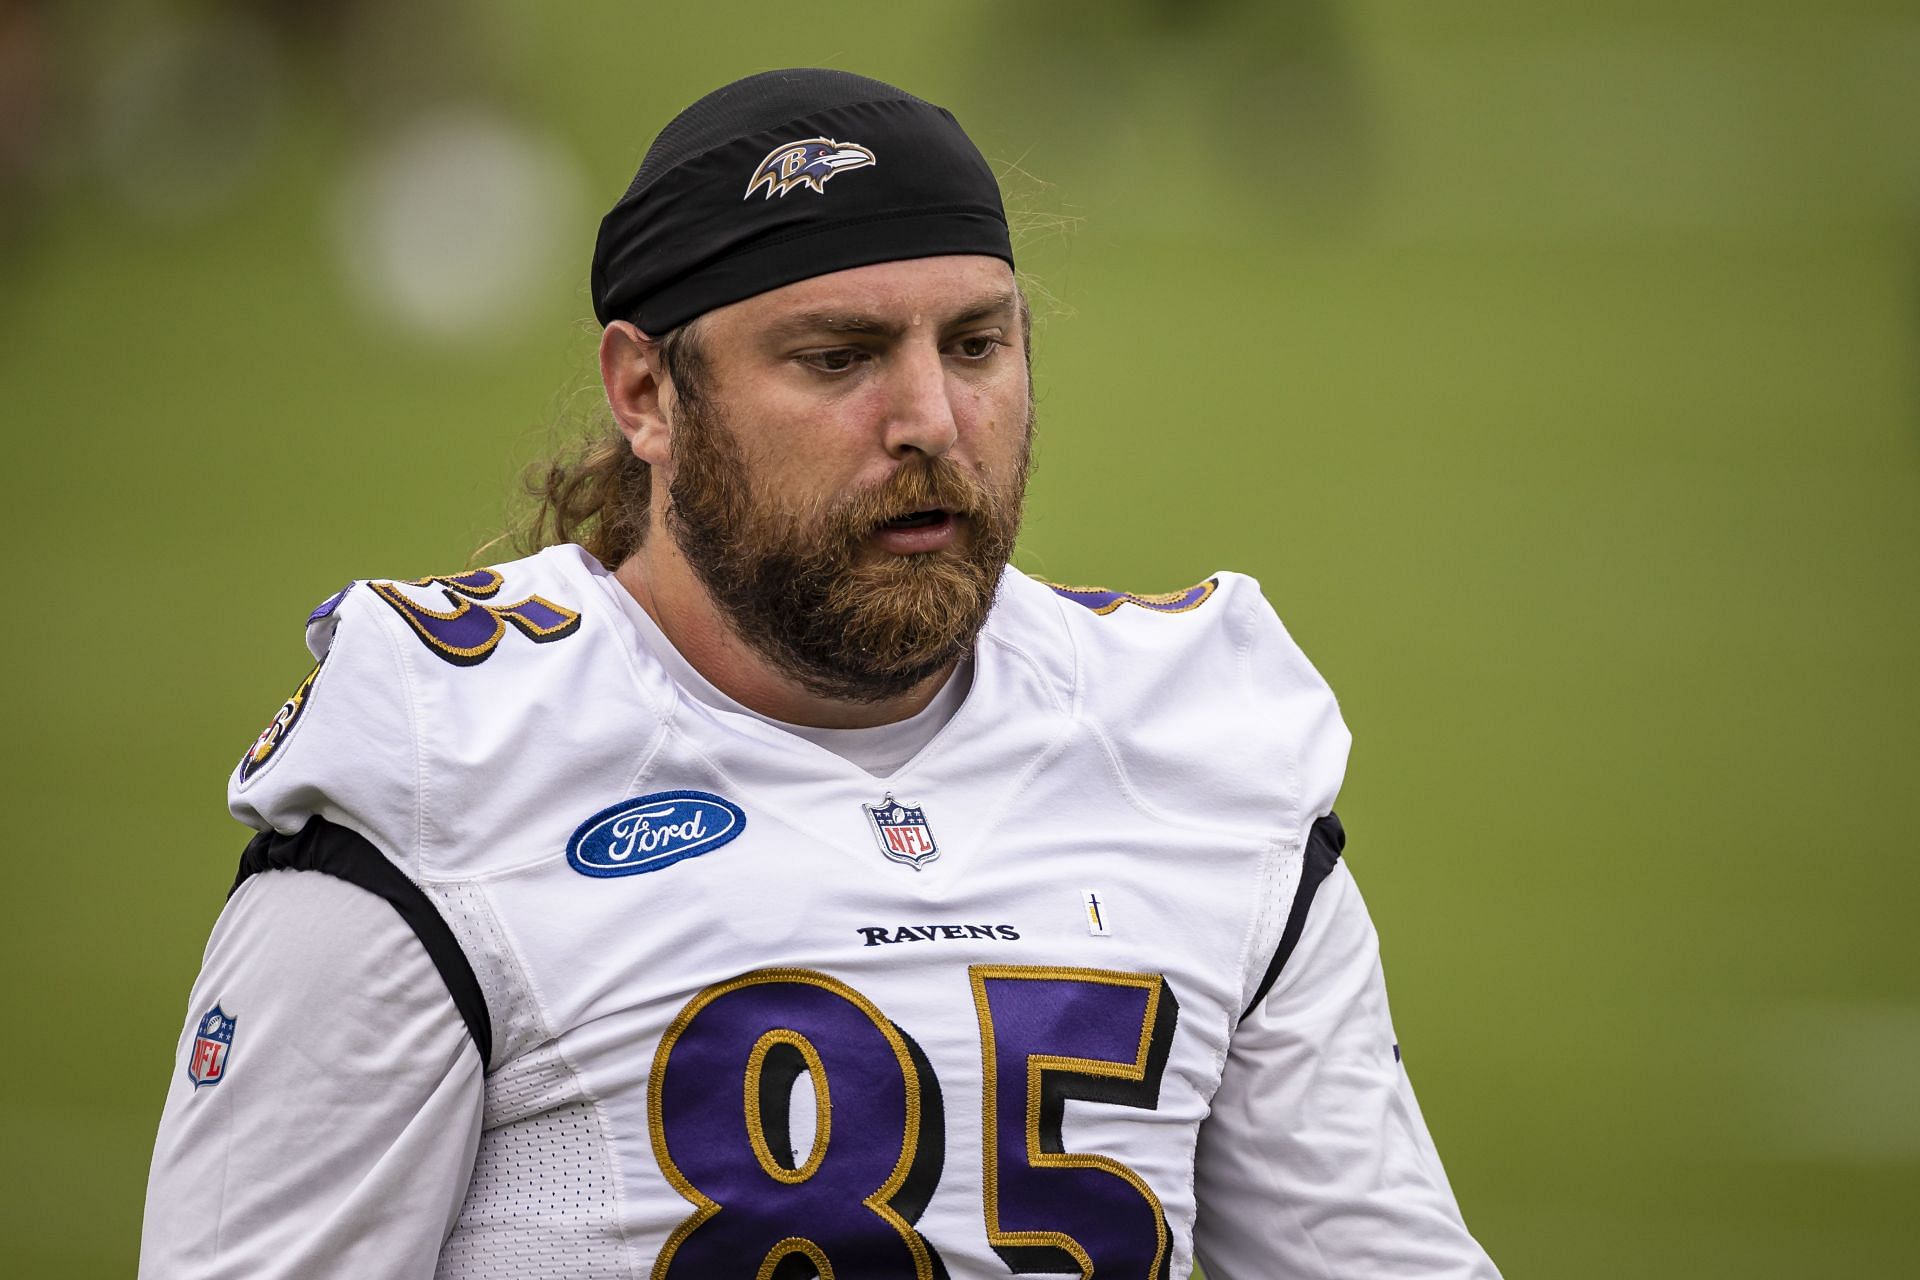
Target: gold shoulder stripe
1102 600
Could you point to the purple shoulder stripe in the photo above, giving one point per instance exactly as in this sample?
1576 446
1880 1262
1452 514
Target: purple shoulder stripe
326 607
467 634
1101 600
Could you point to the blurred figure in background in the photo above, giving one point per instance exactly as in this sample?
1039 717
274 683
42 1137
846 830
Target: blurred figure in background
25 83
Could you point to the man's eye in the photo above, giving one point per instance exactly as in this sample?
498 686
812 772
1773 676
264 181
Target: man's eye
835 360
979 346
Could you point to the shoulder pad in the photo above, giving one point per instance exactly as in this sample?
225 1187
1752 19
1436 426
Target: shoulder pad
1103 601
487 712
446 708
467 633
321 622
1217 705
342 746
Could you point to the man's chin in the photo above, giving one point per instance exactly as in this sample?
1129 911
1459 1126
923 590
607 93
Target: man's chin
883 581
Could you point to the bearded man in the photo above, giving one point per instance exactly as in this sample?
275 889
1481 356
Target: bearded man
765 881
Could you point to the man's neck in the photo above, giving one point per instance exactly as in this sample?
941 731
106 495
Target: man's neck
665 585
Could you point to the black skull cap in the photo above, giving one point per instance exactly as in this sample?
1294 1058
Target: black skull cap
784 176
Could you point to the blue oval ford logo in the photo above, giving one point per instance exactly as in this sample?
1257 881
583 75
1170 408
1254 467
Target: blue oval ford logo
653 831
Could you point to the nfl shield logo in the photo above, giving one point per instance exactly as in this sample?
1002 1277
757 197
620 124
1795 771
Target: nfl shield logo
902 831
207 1061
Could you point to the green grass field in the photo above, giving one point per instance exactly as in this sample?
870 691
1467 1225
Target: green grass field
1557 376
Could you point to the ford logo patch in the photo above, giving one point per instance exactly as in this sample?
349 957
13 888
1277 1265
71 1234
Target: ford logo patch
654 831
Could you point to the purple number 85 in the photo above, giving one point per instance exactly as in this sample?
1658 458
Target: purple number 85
847 1209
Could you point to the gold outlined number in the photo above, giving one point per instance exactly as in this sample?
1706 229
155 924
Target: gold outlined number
846 1209
1106 1040
468 633
845 1212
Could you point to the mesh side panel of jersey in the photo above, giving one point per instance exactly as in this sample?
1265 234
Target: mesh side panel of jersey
1278 869
543 1201
517 1024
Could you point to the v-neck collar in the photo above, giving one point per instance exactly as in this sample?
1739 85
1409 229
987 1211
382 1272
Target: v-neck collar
1019 711
880 751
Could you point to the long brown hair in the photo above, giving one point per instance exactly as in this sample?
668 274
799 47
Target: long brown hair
593 491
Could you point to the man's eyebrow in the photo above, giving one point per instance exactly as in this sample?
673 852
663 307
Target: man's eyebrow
986 308
829 320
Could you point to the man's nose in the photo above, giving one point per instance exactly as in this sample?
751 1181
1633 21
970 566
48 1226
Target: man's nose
920 416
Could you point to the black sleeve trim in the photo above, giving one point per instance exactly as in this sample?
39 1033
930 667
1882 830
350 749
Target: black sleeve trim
1324 844
345 854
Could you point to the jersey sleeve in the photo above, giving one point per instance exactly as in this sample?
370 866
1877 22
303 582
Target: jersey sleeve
1209 704
1315 1161
1311 742
345 746
337 1134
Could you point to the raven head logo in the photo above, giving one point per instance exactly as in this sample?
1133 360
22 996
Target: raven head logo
809 162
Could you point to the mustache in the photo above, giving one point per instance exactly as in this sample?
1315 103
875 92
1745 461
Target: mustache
921 485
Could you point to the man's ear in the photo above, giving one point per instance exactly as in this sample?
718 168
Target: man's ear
632 372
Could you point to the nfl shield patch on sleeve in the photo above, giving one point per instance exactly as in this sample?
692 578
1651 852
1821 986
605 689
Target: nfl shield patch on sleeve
212 1043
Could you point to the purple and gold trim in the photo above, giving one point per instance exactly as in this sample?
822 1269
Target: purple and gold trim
1103 601
468 633
279 727
325 608
806 163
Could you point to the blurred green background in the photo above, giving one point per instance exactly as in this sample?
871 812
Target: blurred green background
1553 366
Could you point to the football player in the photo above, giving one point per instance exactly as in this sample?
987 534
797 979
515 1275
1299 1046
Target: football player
765 881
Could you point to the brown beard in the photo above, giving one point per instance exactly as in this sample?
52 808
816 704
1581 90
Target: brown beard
799 583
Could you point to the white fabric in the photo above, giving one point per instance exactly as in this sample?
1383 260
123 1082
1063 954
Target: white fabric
339 1141
1169 763
880 749
1315 1163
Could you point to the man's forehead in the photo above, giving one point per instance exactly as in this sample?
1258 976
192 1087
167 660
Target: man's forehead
908 292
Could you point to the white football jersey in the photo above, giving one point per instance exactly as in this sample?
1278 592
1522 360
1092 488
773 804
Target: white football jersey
746 1010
